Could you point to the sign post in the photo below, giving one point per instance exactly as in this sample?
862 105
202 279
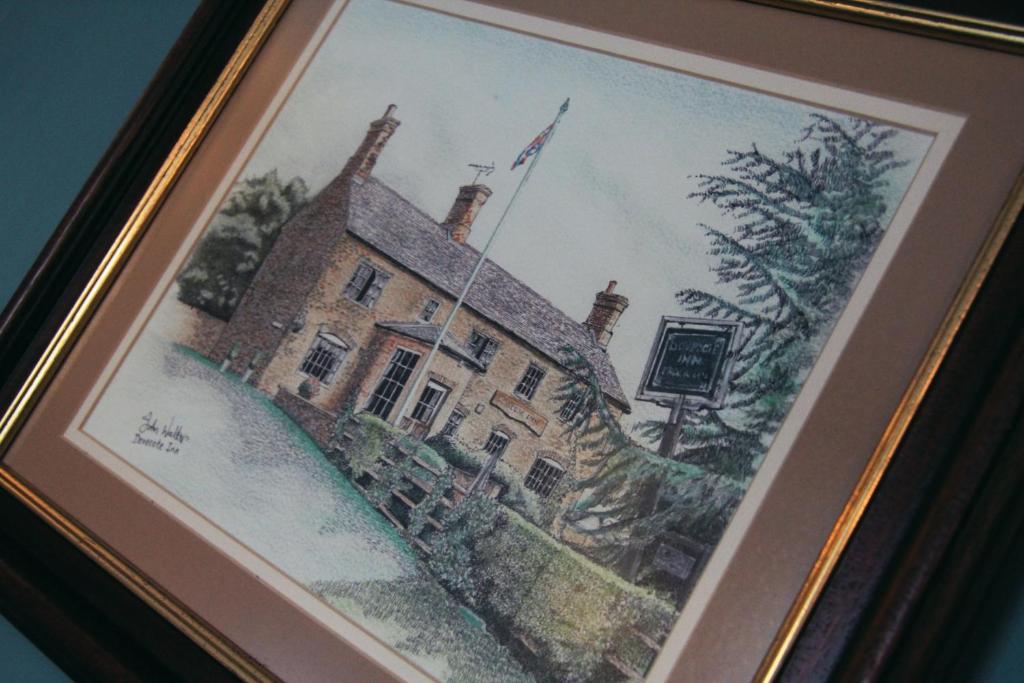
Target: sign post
690 362
688 368
670 437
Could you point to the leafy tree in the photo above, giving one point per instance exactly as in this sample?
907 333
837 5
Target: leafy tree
804 226
235 245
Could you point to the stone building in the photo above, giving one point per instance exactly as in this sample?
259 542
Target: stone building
354 294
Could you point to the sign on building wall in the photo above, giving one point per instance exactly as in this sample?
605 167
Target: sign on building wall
691 358
520 411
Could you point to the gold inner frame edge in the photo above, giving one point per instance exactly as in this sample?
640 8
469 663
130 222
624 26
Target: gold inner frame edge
944 26
937 25
891 439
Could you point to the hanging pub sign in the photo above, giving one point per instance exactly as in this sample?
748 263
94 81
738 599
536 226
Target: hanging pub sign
691 358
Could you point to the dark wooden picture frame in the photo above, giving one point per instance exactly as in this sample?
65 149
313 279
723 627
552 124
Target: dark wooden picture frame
91 625
925 549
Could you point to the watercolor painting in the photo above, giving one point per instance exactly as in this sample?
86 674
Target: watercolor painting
492 333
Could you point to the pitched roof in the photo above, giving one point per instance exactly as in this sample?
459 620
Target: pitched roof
387 221
427 333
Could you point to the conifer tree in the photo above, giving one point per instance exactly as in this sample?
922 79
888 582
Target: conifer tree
238 240
803 228
621 475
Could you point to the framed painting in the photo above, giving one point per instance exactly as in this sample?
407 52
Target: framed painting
456 341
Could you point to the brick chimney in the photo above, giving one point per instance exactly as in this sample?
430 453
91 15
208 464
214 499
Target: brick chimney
361 164
608 306
464 210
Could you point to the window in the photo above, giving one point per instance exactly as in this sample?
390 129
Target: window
571 407
451 427
527 386
389 388
544 476
482 347
430 400
366 285
324 357
429 309
496 444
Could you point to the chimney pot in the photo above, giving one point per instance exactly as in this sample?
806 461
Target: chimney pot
465 208
605 313
361 164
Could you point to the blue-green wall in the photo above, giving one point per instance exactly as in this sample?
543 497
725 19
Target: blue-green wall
70 71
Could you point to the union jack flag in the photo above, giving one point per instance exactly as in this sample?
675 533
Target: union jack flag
533 147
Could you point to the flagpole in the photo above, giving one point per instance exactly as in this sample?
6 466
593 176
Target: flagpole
418 381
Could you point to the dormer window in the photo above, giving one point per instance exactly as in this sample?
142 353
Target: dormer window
527 386
429 309
482 347
366 285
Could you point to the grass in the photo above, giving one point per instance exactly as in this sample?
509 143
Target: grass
302 439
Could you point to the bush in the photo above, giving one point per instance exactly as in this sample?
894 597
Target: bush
418 517
514 494
455 456
367 446
309 388
453 550
424 452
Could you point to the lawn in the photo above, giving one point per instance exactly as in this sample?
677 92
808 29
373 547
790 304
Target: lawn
245 466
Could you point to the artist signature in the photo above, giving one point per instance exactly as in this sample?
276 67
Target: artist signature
168 437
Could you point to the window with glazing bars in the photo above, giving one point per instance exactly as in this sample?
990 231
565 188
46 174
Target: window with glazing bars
544 476
323 359
389 388
366 285
429 309
571 407
430 400
482 347
455 419
496 443
527 386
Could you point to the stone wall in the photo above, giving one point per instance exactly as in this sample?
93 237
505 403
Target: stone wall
277 295
316 422
328 310
370 349
196 329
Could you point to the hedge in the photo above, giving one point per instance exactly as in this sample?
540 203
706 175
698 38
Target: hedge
573 609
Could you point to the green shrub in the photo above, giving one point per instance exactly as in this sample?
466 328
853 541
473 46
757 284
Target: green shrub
514 494
369 441
453 550
390 478
419 514
424 452
455 456
309 388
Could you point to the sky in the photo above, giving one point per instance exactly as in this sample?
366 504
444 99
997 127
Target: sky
609 199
